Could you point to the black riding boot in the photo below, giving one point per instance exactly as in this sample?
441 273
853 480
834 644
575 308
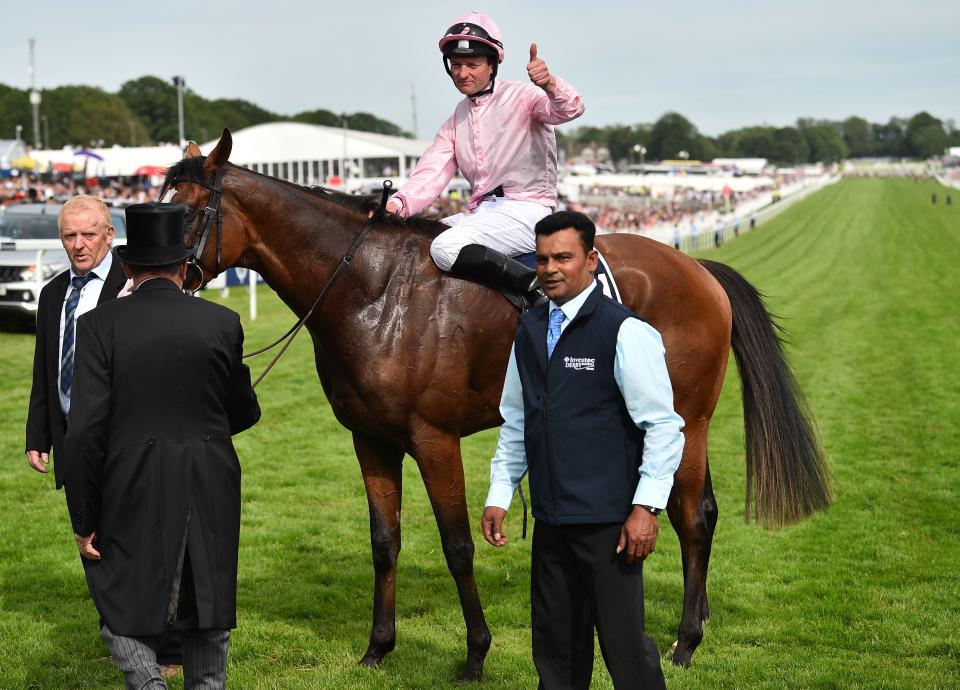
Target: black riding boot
498 271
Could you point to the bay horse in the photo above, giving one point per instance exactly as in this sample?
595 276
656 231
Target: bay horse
412 359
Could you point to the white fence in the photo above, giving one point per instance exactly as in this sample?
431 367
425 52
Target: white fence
951 182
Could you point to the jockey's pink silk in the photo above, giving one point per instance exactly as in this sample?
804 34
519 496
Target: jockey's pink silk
504 138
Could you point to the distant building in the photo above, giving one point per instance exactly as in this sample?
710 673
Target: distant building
748 166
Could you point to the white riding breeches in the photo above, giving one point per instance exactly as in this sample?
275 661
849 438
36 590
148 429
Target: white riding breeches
505 225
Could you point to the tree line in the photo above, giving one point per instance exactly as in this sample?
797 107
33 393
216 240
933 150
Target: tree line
810 141
144 112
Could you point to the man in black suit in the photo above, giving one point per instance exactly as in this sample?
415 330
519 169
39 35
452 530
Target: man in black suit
152 477
94 277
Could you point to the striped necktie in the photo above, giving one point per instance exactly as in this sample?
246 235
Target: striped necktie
69 333
553 330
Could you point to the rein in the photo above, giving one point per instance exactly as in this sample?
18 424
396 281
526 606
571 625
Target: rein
212 213
292 333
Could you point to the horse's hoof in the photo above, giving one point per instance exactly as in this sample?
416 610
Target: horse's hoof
470 676
370 660
378 648
472 672
680 657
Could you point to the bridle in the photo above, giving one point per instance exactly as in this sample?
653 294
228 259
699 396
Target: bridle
213 214
210 215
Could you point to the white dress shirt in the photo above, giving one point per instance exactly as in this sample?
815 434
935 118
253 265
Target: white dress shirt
640 371
89 296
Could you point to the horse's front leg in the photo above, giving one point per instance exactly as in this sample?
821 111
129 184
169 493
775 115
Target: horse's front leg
381 465
438 455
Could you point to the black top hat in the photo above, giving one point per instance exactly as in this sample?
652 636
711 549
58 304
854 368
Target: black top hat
154 235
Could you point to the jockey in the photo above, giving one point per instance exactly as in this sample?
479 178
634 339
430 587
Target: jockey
501 139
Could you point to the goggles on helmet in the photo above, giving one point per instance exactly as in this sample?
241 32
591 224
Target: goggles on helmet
466 39
467 31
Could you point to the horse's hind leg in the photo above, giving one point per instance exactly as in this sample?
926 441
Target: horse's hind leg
381 465
438 455
693 513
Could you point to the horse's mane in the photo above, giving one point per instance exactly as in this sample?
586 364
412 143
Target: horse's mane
192 170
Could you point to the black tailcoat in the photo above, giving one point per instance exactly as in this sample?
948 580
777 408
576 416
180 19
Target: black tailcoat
159 389
45 423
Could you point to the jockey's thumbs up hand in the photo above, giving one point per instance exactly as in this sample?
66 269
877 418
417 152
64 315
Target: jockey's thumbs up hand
538 72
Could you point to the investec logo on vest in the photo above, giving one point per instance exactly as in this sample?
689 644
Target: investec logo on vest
579 363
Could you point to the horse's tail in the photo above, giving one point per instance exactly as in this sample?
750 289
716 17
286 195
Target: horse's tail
787 476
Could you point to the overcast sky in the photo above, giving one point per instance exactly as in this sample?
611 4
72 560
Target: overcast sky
723 64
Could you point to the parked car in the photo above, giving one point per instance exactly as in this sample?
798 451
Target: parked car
19 287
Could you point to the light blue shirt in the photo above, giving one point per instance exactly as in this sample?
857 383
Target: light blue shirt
641 374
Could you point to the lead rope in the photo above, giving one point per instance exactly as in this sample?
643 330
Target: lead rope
523 502
344 262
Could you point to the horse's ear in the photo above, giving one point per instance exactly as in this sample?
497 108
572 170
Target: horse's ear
192 150
221 154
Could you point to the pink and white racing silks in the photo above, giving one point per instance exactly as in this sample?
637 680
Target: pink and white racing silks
500 139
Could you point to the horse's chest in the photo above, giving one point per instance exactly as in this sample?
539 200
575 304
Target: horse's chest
364 390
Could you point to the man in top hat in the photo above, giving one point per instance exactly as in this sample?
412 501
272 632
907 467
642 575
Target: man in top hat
152 477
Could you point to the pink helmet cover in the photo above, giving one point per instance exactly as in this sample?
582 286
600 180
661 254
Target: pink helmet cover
485 23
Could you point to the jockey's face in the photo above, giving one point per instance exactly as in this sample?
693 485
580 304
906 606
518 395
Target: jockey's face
470 74
564 267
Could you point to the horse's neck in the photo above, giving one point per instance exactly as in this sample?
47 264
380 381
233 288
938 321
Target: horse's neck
298 246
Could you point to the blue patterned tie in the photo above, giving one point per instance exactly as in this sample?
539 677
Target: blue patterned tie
553 330
69 327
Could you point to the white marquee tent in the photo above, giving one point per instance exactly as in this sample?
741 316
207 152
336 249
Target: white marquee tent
10 150
294 151
313 154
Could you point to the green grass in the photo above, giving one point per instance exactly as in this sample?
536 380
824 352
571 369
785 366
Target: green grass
862 596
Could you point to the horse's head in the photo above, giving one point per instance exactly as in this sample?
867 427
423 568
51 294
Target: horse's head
215 228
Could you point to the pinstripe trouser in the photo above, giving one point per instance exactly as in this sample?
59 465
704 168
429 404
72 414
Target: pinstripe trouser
204 659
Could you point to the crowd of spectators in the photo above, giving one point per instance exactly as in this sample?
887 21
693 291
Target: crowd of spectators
31 190
612 209
685 206
628 210
446 206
